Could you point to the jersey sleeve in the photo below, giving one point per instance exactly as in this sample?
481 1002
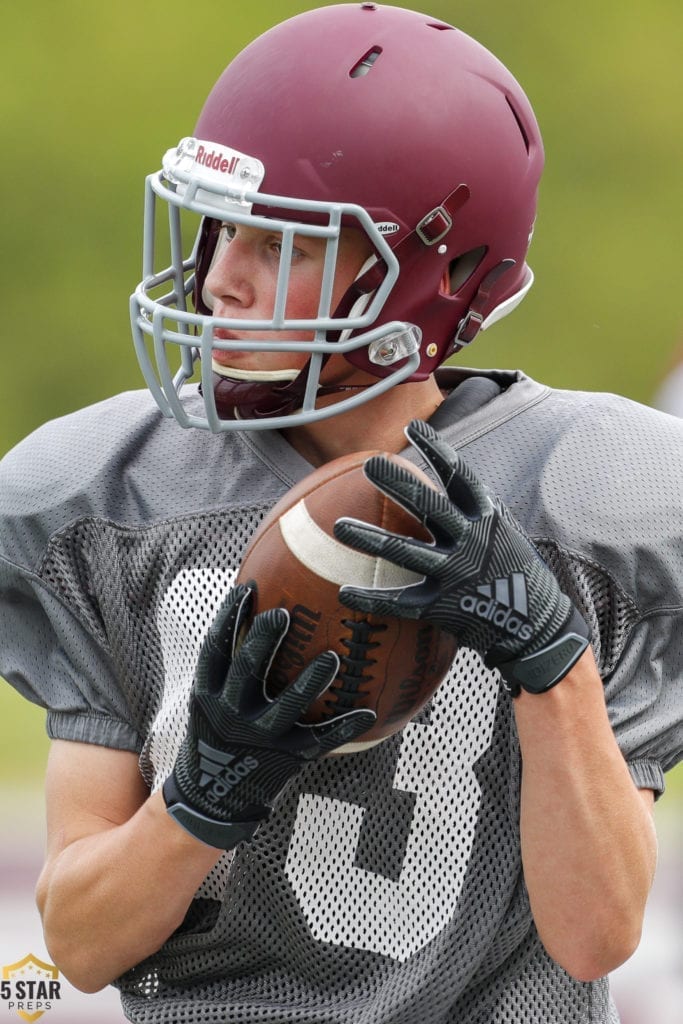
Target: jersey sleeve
614 481
596 481
638 646
51 650
639 482
52 659
644 697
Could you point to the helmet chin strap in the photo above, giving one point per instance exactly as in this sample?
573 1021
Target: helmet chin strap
474 319
242 397
267 376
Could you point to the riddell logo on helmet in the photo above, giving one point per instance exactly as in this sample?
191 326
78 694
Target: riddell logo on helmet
387 227
216 161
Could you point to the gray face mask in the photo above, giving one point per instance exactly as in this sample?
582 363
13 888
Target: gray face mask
220 185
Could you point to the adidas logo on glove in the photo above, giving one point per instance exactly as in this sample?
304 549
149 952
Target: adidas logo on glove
220 771
502 603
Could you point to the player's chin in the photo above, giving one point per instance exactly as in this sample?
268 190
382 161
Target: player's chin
223 359
256 362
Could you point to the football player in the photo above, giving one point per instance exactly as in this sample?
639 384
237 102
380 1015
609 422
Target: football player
353 206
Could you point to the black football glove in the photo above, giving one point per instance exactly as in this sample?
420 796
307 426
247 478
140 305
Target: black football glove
484 581
241 748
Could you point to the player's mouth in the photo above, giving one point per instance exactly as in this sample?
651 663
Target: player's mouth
236 364
222 356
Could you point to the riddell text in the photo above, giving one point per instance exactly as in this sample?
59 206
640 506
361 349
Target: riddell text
215 161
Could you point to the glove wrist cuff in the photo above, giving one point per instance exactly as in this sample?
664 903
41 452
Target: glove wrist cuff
223 835
539 672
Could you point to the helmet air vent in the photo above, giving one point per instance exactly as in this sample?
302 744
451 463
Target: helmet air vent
519 123
366 63
461 269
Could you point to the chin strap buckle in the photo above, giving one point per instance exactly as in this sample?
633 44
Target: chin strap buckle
436 224
470 325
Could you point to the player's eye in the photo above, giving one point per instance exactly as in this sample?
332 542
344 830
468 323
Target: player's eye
299 252
227 232
276 248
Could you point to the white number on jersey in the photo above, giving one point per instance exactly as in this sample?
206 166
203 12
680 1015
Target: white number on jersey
350 906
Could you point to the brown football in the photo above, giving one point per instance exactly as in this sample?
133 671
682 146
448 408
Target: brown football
390 665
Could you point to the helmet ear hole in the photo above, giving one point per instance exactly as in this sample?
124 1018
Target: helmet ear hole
461 269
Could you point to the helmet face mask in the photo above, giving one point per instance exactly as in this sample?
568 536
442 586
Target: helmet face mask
161 313
445 194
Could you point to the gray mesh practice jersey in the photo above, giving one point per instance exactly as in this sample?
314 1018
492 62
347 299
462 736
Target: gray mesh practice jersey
386 888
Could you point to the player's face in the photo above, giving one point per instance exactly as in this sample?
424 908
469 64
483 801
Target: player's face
242 282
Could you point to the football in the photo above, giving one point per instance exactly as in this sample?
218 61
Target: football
389 665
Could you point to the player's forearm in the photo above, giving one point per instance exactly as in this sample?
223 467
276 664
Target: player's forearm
588 841
112 898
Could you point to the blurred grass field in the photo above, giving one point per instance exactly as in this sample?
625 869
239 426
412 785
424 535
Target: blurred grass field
23 740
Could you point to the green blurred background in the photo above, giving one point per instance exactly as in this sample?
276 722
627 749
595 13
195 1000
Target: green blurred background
92 94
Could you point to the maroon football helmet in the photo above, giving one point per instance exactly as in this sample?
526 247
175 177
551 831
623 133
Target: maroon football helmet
365 115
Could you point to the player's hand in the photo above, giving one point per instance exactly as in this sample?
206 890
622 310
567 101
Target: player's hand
484 581
241 748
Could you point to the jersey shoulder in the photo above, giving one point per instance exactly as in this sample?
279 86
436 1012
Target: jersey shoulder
121 461
596 473
67 469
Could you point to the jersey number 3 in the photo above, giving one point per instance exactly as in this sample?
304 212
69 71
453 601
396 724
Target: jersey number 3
348 905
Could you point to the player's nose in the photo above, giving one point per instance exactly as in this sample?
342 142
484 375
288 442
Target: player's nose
228 281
